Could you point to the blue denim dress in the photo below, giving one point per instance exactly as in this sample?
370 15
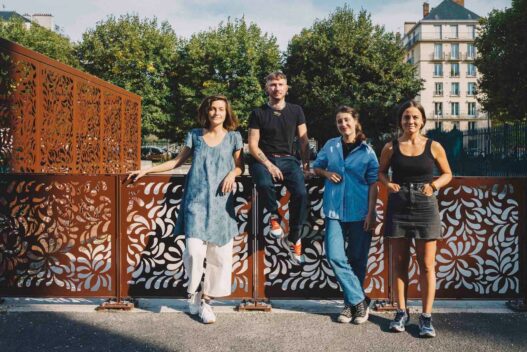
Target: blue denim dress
205 212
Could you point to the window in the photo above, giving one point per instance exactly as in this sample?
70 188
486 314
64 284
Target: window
471 109
453 31
454 89
438 89
454 109
454 51
438 51
471 88
471 32
439 126
438 70
471 51
438 109
471 70
471 125
437 32
454 70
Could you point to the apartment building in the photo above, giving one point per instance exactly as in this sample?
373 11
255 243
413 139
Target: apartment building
43 19
441 46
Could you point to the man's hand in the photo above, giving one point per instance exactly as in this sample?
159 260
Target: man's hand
275 172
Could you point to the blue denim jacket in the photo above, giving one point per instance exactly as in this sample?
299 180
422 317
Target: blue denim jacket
347 200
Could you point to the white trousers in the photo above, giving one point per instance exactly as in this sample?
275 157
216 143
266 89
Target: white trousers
218 271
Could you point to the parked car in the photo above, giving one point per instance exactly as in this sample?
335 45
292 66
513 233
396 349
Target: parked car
154 153
171 153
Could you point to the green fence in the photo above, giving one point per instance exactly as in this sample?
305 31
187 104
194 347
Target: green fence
494 151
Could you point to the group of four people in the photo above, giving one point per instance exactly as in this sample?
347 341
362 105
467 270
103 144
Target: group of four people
351 170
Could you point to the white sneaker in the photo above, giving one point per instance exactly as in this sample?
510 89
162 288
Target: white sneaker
206 314
194 302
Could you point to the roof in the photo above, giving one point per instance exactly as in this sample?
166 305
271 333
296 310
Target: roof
7 15
449 10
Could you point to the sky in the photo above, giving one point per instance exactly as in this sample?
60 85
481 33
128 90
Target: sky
281 18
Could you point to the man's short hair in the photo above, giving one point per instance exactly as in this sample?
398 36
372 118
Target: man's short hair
274 76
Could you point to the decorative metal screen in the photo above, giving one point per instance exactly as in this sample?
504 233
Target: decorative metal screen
56 119
77 235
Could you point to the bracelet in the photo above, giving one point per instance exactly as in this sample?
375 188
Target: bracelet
433 186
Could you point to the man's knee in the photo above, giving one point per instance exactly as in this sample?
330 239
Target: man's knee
299 193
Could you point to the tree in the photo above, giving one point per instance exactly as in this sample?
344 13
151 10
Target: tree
345 59
502 61
232 60
137 55
40 39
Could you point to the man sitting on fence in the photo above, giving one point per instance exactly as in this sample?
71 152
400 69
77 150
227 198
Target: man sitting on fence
272 130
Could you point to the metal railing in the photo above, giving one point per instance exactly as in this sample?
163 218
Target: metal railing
98 236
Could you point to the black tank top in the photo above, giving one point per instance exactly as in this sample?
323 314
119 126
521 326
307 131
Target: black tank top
415 169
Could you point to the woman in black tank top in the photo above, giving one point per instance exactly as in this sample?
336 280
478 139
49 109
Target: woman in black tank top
412 210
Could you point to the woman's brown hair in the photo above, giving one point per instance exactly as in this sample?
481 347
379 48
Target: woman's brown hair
359 135
231 121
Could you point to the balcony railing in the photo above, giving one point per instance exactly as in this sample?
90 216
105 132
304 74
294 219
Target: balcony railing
438 57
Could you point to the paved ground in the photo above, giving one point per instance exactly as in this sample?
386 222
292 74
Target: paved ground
162 325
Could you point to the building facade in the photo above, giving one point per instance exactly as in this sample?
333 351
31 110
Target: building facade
441 46
42 19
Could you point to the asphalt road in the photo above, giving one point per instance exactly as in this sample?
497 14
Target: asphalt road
147 331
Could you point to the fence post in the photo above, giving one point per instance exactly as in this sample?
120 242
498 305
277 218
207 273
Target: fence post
255 303
520 305
117 303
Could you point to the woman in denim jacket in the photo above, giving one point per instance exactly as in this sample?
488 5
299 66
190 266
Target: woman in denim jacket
350 168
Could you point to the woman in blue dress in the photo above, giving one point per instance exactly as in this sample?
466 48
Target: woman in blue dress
350 168
207 215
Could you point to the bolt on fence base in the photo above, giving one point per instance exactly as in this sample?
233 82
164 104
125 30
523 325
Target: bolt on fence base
381 305
114 304
254 305
517 305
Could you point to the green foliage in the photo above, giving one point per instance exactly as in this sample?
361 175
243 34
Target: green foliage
345 59
502 60
139 56
40 39
232 60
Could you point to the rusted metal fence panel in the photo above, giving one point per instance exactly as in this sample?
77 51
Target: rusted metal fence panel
151 256
483 222
74 235
315 279
58 235
56 119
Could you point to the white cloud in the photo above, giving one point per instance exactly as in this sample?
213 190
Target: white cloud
281 18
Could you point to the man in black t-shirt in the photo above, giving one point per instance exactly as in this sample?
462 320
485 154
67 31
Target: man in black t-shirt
272 129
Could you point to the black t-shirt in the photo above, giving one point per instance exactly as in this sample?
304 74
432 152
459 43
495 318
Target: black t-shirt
277 127
349 147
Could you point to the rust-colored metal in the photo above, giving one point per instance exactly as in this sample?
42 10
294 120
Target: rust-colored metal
151 256
282 278
116 304
57 235
252 305
479 256
97 236
56 119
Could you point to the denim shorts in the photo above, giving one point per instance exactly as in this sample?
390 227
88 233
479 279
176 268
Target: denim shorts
412 214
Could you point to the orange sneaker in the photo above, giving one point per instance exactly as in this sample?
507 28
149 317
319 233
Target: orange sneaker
276 230
296 252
